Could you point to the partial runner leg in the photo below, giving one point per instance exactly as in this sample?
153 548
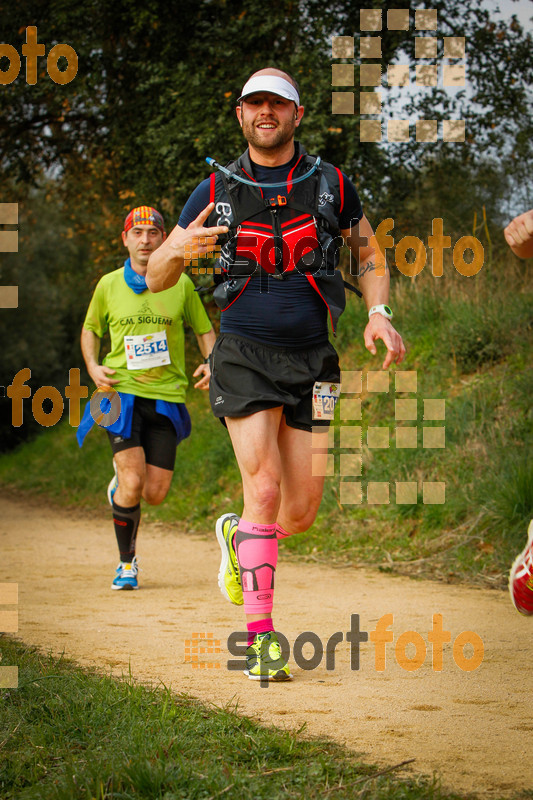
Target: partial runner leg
254 440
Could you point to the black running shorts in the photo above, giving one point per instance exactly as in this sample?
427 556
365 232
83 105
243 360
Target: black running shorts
154 432
247 376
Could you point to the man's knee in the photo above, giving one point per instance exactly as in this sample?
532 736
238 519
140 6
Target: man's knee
297 518
131 481
266 493
156 484
154 495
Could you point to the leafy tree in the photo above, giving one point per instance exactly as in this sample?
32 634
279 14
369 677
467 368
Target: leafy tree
155 94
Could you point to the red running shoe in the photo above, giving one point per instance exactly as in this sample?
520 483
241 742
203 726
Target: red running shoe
521 577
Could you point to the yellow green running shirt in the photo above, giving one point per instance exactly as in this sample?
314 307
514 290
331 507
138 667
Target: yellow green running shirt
118 309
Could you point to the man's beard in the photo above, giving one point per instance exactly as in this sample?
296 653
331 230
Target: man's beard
283 134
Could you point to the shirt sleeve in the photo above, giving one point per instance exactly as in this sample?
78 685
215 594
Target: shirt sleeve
96 319
194 312
351 210
197 201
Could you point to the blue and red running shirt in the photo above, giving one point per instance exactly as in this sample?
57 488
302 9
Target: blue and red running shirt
295 315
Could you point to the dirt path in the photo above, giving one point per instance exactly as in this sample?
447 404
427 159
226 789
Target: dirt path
473 728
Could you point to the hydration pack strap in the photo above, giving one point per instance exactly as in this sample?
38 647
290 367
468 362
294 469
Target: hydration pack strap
352 289
240 179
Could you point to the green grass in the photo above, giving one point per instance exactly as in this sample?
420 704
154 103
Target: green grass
470 341
68 734
205 477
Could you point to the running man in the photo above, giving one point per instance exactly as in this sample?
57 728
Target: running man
146 365
275 376
519 236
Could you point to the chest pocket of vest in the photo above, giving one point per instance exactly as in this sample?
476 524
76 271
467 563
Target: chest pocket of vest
258 246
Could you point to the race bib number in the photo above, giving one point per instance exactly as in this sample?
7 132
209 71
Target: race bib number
146 350
325 395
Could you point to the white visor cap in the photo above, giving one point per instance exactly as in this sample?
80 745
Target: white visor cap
272 84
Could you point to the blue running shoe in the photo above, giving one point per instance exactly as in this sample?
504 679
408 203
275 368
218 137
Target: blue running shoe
113 486
126 577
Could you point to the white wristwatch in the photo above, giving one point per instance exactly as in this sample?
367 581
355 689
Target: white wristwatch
385 311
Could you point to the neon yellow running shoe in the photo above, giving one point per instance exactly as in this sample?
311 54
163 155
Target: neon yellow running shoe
264 660
229 577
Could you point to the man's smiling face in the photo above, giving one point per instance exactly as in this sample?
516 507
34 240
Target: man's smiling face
268 121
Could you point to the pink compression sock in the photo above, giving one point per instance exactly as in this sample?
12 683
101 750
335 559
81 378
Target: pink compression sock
281 533
257 553
259 626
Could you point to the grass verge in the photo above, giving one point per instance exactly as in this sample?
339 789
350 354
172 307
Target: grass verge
69 734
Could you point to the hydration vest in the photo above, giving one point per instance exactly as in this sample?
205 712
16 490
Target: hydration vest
296 230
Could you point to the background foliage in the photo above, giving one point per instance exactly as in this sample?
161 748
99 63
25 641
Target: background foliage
154 95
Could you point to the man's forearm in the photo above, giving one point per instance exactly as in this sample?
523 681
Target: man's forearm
90 348
182 245
206 342
164 267
373 283
372 272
